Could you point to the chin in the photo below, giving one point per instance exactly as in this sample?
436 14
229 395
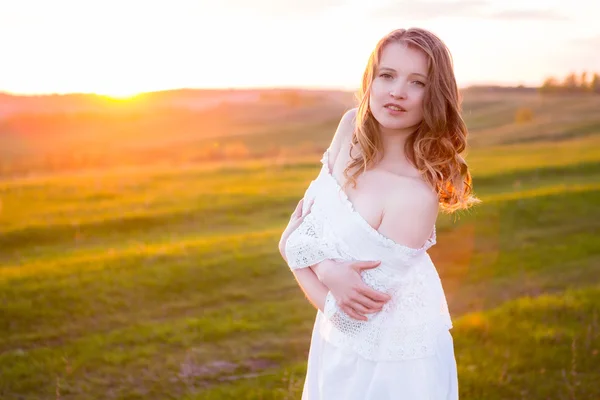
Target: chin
394 123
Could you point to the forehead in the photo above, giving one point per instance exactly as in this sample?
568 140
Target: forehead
401 57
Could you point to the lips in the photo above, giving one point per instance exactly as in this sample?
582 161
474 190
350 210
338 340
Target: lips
395 107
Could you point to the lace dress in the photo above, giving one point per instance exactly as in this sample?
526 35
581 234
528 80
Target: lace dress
403 352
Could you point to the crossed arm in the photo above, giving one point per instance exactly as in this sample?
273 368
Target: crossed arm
342 278
344 281
314 290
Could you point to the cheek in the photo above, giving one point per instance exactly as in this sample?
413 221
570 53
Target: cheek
418 101
419 95
377 89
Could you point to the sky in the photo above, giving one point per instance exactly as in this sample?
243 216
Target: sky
122 47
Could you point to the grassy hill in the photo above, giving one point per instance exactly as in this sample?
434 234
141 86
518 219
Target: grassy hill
160 280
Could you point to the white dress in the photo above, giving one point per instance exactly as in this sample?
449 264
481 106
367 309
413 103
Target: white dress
403 352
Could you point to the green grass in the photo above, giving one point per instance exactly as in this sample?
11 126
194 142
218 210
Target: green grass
546 347
532 348
166 283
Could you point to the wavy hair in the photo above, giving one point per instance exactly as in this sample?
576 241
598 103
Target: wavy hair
434 147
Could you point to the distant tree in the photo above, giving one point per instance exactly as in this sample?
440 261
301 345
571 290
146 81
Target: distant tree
550 85
595 83
583 81
571 83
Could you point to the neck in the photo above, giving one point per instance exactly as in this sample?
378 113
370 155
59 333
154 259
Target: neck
393 141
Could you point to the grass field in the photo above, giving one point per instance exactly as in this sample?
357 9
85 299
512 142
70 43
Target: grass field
164 282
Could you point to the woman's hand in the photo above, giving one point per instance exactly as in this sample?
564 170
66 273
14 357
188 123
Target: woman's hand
352 295
342 278
295 221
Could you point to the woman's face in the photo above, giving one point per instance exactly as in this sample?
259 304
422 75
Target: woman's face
398 88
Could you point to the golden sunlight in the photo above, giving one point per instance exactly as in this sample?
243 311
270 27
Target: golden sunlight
123 94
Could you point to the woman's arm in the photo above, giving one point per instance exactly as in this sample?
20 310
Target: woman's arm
353 296
314 290
310 284
343 279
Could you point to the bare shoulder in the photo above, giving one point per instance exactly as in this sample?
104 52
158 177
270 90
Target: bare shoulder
410 211
342 134
348 119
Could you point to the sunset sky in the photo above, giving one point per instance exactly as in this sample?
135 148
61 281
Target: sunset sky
120 47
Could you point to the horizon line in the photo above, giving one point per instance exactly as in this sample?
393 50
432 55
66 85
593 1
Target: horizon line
247 88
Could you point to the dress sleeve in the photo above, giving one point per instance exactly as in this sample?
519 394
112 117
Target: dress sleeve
308 244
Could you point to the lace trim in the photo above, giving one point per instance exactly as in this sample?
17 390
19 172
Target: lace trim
391 344
311 243
381 238
406 328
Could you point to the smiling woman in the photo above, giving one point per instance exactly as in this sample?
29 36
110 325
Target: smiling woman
357 242
405 107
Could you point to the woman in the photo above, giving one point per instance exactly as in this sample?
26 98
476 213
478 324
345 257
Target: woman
357 242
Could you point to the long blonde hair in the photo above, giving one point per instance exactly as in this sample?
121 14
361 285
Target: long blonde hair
435 146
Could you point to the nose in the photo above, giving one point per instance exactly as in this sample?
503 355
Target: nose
398 91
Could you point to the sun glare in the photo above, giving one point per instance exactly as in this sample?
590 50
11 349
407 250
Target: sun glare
120 94
118 90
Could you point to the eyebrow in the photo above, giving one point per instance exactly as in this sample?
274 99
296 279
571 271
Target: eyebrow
393 70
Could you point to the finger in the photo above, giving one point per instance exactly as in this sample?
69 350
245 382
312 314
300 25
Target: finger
295 224
298 210
353 314
360 308
370 304
374 294
300 217
299 206
308 208
362 265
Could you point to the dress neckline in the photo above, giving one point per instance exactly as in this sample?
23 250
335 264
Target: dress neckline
380 237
